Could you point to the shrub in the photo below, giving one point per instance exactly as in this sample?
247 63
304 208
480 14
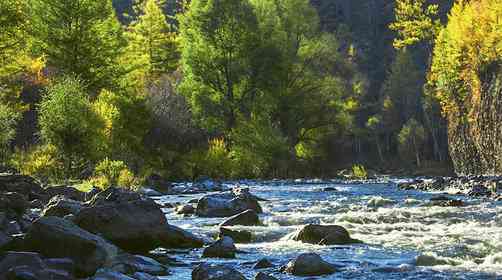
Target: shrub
359 171
42 162
69 123
110 173
8 120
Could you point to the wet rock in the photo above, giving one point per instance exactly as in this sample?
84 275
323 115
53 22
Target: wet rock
216 272
246 218
175 237
193 201
330 189
324 235
143 276
445 201
263 263
227 204
68 192
222 248
58 238
149 192
13 259
430 260
186 209
263 276
107 274
130 264
309 265
61 206
24 185
4 240
61 264
13 228
13 202
376 202
239 236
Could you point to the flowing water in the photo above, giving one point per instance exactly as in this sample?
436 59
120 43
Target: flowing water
404 238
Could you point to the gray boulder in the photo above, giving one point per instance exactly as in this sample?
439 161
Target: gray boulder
130 264
186 209
227 204
309 265
324 235
66 191
61 206
175 237
216 272
246 218
222 248
239 236
55 237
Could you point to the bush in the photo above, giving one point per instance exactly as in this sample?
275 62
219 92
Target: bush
109 173
359 171
8 120
42 163
69 123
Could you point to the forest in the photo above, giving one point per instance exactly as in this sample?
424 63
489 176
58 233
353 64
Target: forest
111 92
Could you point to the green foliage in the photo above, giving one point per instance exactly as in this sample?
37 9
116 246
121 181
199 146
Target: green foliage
41 162
69 123
359 171
411 140
415 22
8 120
80 37
109 173
13 21
152 42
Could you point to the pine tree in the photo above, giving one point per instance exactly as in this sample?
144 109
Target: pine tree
80 37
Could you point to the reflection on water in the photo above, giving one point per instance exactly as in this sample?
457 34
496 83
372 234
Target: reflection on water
404 237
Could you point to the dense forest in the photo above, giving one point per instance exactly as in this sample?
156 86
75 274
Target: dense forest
111 92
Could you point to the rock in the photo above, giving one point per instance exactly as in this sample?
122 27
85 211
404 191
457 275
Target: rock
13 202
158 183
13 259
445 201
24 185
479 190
129 264
216 272
186 209
376 202
175 237
4 240
107 274
29 273
309 265
263 276
61 206
68 192
37 203
246 218
227 204
193 201
92 193
324 235
61 264
238 236
263 263
222 248
55 237
143 276
149 192
329 189
13 228
128 220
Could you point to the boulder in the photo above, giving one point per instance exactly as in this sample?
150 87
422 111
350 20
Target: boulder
216 272
61 206
324 235
263 276
27 265
239 236
246 218
186 209
222 248
175 237
330 189
55 237
263 263
25 185
108 274
144 276
68 192
309 264
149 192
158 183
444 201
130 264
13 202
227 204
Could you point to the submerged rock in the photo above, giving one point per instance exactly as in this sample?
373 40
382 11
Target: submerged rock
227 204
309 265
376 202
246 218
239 236
444 201
222 248
263 263
263 276
216 272
130 264
58 238
186 209
324 235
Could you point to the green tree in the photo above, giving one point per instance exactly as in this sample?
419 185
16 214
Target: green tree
80 37
68 122
152 42
411 140
8 121
221 60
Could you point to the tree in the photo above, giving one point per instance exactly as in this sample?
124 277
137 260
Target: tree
411 139
152 42
221 60
68 122
8 121
80 37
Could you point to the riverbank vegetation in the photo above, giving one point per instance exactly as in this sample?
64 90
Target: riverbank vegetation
234 88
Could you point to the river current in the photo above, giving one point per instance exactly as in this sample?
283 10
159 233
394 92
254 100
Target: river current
404 236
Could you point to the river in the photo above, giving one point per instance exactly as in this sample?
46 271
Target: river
404 236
